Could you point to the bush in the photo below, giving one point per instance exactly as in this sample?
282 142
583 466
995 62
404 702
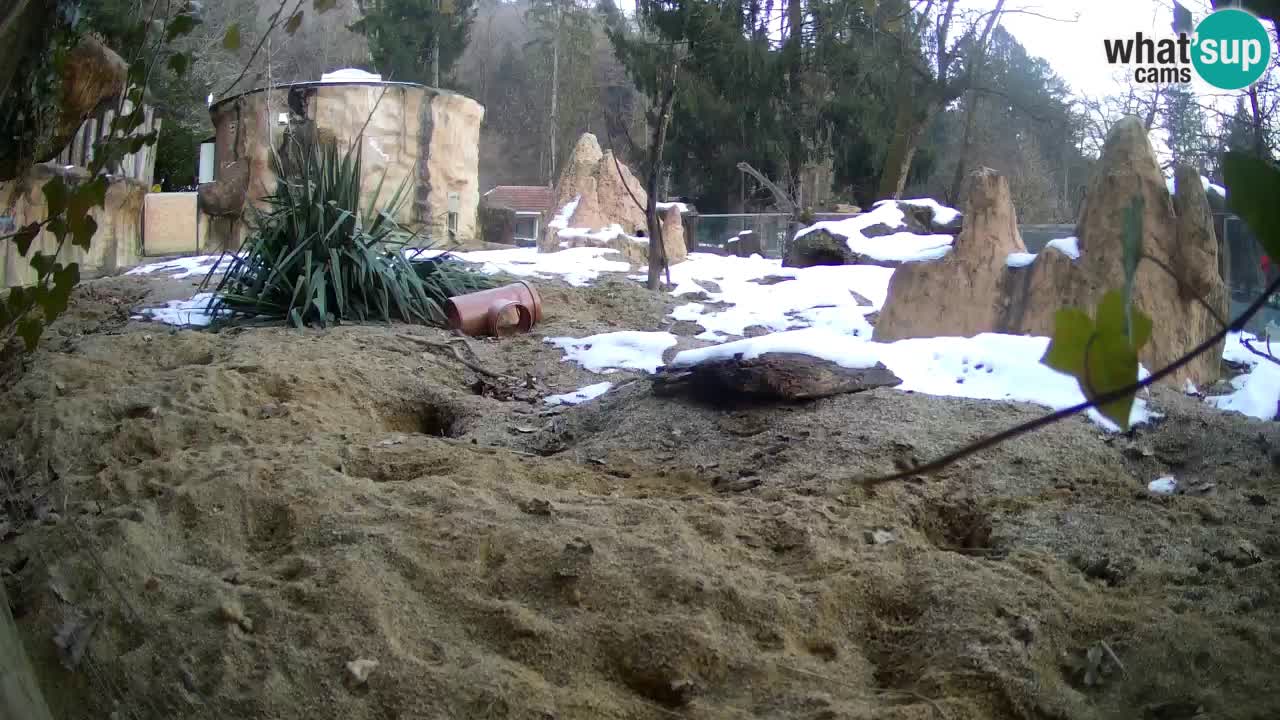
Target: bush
317 256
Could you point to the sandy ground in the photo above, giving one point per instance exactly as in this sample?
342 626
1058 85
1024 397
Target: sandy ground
216 524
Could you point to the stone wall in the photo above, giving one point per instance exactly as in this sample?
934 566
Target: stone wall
422 139
116 245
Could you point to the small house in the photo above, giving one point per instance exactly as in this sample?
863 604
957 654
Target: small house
533 206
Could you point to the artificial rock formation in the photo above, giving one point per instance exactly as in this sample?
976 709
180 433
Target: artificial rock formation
972 290
959 293
608 211
822 247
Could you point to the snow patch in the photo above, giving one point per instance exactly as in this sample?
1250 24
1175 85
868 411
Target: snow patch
942 215
1069 246
1257 392
609 352
680 207
898 247
576 266
561 220
348 75
193 312
185 267
1167 485
579 396
986 367
1017 260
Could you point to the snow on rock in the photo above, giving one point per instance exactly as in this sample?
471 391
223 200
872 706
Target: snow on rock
903 246
193 312
819 296
185 267
579 396
349 75
942 215
1069 246
1166 485
1257 392
597 236
624 350
1019 259
843 350
561 220
985 367
576 266
1209 186
679 206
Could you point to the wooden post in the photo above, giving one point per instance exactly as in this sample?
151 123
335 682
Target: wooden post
20 695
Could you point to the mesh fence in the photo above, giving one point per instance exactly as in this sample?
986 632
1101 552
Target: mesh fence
713 231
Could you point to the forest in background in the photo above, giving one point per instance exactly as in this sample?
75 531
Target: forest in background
868 98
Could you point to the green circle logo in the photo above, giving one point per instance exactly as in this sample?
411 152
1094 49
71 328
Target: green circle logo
1232 49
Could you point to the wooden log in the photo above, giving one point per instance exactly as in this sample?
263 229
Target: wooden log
770 377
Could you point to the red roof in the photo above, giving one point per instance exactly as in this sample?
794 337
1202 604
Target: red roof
522 198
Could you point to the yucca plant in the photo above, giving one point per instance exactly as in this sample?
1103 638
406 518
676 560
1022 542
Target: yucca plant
318 254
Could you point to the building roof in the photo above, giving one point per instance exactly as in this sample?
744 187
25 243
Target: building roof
522 198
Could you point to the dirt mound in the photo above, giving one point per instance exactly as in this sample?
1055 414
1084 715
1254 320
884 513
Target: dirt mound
222 522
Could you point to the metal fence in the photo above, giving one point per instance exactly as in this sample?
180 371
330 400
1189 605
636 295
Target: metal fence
713 232
95 130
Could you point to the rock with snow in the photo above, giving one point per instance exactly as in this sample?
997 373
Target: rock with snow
957 294
890 234
989 283
769 377
1177 232
599 203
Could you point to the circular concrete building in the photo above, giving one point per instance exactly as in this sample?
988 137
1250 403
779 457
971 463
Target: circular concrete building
425 137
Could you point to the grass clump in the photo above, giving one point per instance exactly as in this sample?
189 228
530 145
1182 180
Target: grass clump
319 255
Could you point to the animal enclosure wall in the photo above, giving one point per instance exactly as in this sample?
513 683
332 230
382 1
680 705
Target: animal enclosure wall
117 243
422 138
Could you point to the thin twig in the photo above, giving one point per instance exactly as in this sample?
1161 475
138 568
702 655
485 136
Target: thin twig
453 350
1248 345
1120 394
1114 657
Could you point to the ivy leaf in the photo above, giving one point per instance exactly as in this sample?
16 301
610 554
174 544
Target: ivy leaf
178 63
41 263
1113 364
55 195
294 23
1072 329
323 6
1252 188
183 24
17 302
82 231
231 41
1102 356
57 226
24 237
54 298
30 329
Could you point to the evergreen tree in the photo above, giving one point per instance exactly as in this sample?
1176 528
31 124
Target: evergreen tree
416 40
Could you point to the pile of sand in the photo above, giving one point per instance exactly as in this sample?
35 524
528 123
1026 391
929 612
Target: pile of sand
219 524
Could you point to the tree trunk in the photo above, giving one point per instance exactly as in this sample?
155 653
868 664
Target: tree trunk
966 144
555 92
657 250
908 130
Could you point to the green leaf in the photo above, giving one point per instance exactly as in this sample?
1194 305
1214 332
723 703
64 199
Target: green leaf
1072 329
55 195
1112 364
30 329
25 236
178 63
1253 186
294 23
323 6
42 264
231 41
82 231
183 24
